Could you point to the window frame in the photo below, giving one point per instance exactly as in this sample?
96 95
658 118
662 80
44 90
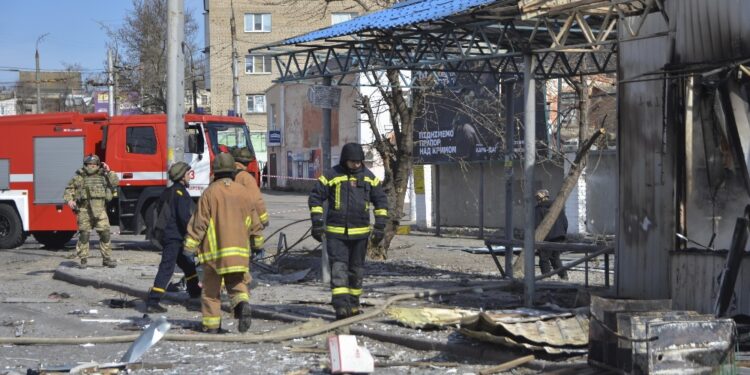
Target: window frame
128 133
263 25
254 96
263 59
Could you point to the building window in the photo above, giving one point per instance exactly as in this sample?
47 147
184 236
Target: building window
256 104
204 100
258 23
341 17
258 64
140 140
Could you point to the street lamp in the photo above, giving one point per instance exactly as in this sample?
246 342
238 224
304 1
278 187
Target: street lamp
38 87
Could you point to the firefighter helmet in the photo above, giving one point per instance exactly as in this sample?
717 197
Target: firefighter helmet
92 159
243 155
178 170
223 163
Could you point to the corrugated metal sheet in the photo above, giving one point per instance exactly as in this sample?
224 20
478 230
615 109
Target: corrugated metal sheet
404 13
695 282
646 219
530 329
710 30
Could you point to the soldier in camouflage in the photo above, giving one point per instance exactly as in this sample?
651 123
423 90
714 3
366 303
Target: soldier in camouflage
87 195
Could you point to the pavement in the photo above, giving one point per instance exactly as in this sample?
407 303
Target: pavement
45 294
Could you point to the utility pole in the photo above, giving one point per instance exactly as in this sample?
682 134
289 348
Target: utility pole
116 88
110 83
38 84
325 266
175 81
235 56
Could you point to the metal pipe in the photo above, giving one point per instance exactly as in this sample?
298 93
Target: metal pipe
508 88
325 266
481 200
437 200
110 84
529 91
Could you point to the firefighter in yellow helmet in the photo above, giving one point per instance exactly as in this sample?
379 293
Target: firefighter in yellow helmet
87 195
222 231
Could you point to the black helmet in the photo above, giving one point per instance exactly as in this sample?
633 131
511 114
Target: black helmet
353 152
178 170
91 159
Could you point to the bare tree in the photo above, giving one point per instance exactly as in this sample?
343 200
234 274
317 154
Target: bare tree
141 45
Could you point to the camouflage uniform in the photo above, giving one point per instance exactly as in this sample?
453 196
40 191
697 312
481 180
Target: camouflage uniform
91 192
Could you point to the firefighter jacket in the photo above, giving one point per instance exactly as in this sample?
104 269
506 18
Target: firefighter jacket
223 226
247 180
84 187
179 201
349 196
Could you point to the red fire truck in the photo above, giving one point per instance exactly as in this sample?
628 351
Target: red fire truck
40 153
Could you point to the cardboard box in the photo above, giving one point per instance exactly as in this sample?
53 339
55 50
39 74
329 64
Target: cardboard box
348 357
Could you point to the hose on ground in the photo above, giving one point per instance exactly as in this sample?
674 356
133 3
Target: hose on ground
275 336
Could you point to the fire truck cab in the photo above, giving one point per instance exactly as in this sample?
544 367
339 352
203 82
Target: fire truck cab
40 153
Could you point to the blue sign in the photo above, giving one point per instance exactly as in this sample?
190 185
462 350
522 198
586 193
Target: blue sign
274 138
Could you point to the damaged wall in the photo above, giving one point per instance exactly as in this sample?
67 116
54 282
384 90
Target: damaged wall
695 282
646 166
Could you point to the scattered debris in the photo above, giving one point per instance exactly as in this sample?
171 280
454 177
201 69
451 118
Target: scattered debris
118 321
120 303
84 312
150 336
288 278
347 356
56 295
428 317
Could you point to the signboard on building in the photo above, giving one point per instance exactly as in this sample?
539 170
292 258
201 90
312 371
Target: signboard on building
274 138
324 96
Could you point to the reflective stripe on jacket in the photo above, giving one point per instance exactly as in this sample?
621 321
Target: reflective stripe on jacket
221 227
350 198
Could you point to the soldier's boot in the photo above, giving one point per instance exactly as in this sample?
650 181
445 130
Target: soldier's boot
84 263
243 313
105 246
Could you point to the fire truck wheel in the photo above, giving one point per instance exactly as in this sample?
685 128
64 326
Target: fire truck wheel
55 239
11 230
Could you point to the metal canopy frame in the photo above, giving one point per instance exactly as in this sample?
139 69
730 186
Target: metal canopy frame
536 39
565 38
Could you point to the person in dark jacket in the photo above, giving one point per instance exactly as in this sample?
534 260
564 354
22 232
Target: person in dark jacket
177 199
349 189
549 260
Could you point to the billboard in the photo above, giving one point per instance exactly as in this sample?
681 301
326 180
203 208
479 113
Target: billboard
463 120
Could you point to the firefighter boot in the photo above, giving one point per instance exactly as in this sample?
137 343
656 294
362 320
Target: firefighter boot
343 313
155 308
242 312
152 303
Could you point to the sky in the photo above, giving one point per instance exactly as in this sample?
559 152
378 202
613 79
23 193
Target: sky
75 33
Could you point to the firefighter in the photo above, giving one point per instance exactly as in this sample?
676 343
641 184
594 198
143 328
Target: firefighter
549 260
87 195
179 207
349 189
218 232
243 157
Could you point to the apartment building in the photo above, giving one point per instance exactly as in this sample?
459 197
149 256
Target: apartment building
258 22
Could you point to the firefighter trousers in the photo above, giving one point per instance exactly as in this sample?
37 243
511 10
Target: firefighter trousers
347 258
172 255
236 284
94 217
